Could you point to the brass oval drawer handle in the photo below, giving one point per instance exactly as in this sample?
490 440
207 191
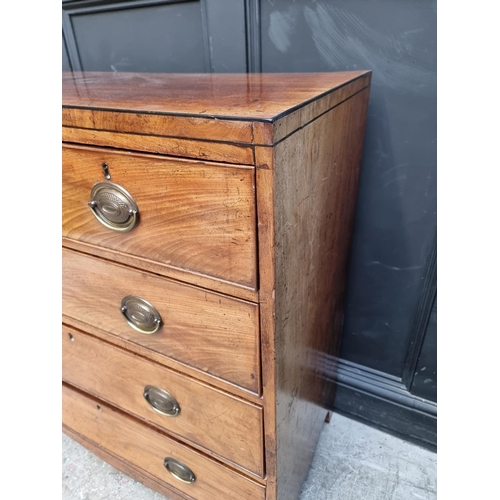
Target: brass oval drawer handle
179 470
113 207
140 314
161 401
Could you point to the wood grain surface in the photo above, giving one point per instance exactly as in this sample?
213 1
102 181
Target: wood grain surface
184 148
201 280
316 174
257 96
306 194
264 214
306 114
193 216
209 331
146 448
159 125
266 237
221 424
128 468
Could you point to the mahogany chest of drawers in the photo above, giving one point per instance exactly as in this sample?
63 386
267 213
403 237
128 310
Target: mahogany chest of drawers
206 228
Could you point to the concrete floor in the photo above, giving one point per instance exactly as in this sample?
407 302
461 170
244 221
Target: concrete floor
352 462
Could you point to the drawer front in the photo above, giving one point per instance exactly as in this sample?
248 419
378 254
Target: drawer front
205 416
192 216
205 330
147 449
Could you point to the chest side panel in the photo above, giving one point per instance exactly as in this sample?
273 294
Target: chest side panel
315 184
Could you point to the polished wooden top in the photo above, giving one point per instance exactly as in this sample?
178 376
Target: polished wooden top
260 96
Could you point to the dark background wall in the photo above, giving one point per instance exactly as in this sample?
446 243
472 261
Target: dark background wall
387 370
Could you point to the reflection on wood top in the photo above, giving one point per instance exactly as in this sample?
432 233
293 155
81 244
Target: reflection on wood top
259 96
